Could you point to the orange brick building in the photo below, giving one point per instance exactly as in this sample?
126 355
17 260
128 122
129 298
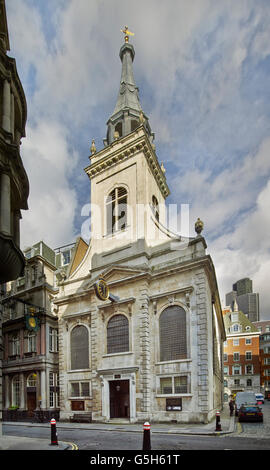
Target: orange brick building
241 354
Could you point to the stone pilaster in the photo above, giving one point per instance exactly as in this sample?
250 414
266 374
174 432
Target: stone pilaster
96 336
202 341
62 336
145 375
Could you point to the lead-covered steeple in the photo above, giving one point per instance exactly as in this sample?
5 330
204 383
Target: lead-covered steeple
128 113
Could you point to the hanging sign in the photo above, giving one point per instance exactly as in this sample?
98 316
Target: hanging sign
101 289
31 320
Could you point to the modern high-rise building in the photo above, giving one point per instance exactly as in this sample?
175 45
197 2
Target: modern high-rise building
247 300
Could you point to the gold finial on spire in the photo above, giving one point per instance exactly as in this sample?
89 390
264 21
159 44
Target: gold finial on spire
127 33
93 147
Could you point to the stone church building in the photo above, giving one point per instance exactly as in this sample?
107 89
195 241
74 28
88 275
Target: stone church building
150 346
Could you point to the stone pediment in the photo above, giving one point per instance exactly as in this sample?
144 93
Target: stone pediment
116 273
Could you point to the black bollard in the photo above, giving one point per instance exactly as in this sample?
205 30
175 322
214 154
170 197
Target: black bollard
54 441
218 424
146 437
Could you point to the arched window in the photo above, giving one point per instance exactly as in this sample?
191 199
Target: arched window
117 334
79 348
155 208
172 334
118 128
32 380
134 124
116 208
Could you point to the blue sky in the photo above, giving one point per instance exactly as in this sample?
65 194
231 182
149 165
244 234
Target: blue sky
202 68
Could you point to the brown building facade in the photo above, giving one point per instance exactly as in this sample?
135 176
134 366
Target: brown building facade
241 354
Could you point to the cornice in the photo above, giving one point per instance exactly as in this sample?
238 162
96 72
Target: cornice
131 146
8 71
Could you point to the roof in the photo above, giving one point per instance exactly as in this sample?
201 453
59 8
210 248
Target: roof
262 325
242 320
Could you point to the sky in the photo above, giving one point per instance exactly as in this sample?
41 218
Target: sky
202 68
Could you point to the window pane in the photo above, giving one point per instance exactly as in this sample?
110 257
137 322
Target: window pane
32 380
85 389
172 324
79 348
166 385
180 384
75 389
116 210
117 334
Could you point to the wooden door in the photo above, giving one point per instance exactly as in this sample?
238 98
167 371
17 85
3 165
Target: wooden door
31 403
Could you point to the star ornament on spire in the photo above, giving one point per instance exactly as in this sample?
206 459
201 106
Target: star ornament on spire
127 33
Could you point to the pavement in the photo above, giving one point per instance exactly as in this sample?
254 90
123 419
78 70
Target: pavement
8 442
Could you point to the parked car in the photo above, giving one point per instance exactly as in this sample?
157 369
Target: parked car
244 398
259 398
250 413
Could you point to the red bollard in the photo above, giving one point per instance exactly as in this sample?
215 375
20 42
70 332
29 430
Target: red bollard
218 424
146 436
54 441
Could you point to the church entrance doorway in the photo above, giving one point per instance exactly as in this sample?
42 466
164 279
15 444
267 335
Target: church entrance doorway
31 402
119 399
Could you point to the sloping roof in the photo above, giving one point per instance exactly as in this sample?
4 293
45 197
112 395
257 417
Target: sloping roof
78 254
242 320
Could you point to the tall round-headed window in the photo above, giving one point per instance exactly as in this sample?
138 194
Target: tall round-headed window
155 208
116 209
172 334
117 334
79 346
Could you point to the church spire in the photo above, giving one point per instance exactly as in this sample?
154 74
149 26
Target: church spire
128 113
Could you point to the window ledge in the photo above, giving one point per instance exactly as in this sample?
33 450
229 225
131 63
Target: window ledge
172 362
71 371
173 395
80 398
118 354
117 232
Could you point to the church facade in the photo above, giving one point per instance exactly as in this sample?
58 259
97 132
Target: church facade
140 323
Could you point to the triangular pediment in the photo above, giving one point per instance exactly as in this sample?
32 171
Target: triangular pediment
116 273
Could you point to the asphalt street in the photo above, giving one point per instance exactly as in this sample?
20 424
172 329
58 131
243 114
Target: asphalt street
121 436
86 439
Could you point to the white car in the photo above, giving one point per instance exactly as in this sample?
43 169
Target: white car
259 397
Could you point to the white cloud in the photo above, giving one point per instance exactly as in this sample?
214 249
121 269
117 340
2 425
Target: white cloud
195 65
245 252
52 201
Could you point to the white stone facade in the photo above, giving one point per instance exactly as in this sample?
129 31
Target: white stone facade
130 366
144 294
